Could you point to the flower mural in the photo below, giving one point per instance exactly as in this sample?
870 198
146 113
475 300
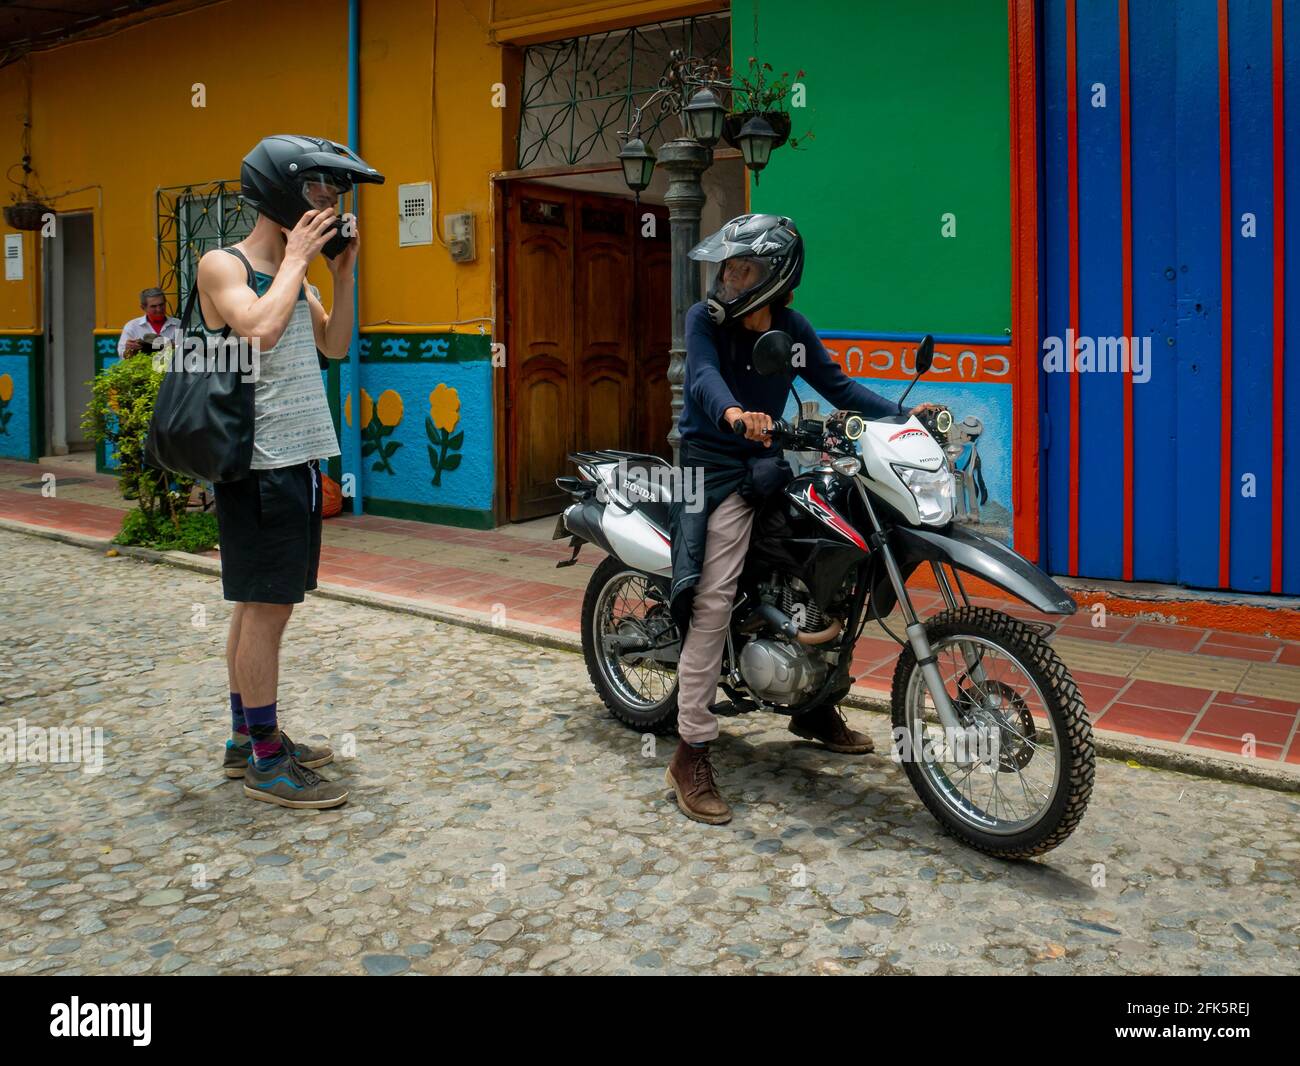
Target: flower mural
6 394
389 408
378 420
444 448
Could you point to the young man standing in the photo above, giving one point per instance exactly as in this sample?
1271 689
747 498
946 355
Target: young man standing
270 521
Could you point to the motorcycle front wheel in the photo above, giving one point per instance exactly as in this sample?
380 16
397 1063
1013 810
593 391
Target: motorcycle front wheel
1015 781
623 609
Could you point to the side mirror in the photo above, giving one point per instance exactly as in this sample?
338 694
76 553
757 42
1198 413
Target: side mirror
925 355
924 360
772 352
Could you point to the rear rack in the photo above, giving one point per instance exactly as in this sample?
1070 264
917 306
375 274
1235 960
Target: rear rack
614 455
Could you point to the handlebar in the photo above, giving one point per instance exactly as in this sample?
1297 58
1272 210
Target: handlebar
794 437
814 435
779 431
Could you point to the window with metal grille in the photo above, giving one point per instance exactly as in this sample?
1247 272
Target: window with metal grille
578 93
192 219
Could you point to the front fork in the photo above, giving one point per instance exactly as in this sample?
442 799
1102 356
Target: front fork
970 652
916 634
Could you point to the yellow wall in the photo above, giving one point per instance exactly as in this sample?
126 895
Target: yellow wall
105 115
19 301
102 116
113 118
398 96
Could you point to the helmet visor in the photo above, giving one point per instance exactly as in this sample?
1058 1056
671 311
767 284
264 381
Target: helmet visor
739 276
323 191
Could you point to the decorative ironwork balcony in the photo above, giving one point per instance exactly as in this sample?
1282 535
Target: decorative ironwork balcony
579 93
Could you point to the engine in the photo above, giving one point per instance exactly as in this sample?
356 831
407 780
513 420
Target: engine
801 608
781 670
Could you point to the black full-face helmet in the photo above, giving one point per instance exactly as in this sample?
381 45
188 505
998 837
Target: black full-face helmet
287 175
760 259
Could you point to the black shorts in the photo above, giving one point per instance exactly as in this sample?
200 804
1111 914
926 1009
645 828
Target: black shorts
269 527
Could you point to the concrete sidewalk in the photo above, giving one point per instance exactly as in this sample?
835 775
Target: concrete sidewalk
1184 690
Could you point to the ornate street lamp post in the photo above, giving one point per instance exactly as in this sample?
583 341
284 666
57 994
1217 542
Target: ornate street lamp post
685 160
693 90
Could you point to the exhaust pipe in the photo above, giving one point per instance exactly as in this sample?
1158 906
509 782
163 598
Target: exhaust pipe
785 626
822 635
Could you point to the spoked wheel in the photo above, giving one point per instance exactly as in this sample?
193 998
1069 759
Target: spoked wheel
625 626
1015 781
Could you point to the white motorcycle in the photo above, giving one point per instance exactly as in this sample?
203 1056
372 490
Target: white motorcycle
987 721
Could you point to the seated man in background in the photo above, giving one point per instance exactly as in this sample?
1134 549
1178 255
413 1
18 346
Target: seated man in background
138 334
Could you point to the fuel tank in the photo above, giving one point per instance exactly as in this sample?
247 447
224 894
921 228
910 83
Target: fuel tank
805 531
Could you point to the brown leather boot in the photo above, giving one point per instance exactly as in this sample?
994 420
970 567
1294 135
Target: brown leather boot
690 776
826 725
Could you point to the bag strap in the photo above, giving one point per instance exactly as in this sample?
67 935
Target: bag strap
248 267
189 306
194 293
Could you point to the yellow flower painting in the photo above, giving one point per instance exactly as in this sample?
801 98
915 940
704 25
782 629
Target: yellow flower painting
444 448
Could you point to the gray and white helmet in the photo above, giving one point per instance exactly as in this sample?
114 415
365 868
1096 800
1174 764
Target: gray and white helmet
760 259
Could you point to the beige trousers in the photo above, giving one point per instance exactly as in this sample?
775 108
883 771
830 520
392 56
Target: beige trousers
697 670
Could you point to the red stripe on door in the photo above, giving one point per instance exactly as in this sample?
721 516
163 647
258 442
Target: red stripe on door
1279 290
1126 273
1225 252
1025 339
1072 179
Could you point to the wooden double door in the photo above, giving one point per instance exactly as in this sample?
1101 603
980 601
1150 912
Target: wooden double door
588 330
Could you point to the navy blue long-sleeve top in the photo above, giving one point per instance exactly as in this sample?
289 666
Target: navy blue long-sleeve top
720 374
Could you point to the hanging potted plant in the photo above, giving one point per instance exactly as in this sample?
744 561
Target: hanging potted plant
28 210
26 214
759 93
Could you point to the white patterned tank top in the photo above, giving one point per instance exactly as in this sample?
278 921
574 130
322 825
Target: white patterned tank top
291 416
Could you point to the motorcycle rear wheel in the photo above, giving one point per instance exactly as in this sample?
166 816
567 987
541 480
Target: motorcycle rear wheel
622 600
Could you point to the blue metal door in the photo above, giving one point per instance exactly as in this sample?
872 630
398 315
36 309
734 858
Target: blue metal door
1169 371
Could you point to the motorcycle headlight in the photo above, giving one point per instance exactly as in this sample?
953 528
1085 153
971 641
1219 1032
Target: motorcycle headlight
935 492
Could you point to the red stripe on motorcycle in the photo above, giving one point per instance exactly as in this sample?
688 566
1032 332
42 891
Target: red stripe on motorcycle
832 519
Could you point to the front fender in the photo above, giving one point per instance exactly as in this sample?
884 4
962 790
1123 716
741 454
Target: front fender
974 553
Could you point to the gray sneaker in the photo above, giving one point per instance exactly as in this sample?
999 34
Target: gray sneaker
290 784
237 755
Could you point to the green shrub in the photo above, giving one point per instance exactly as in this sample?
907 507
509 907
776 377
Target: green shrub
194 531
121 405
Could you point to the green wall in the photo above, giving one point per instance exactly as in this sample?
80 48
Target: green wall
909 107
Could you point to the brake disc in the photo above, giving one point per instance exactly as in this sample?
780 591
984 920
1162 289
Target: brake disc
1015 722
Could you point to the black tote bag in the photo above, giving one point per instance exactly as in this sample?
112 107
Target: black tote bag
202 424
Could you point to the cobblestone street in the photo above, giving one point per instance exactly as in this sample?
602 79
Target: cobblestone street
501 822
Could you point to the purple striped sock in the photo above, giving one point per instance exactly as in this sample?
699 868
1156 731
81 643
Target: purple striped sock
238 726
264 732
